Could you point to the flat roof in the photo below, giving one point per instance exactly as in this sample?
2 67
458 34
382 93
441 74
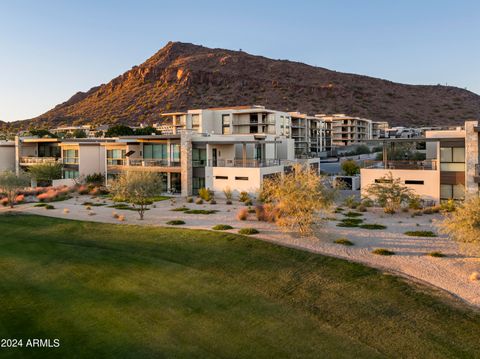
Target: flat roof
414 139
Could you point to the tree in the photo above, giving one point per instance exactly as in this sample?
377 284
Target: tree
11 185
46 171
145 131
137 188
296 197
41 133
350 167
79 134
390 193
463 224
119 130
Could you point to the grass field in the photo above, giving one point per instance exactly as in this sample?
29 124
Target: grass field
131 292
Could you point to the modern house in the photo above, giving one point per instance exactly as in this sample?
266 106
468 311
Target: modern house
450 169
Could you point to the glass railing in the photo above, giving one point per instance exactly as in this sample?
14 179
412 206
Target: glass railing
70 160
401 165
38 160
252 163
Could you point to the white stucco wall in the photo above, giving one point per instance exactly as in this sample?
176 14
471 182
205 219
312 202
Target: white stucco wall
7 157
430 190
91 159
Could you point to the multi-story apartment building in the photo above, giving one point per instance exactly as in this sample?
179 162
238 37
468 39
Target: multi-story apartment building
309 135
347 130
213 148
450 170
379 129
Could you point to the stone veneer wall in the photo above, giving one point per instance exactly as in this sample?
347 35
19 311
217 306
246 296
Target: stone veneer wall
471 156
186 162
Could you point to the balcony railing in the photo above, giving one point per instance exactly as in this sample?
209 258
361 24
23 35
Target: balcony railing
38 160
251 163
139 162
116 162
70 160
401 165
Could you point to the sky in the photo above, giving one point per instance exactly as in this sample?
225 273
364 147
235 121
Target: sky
51 49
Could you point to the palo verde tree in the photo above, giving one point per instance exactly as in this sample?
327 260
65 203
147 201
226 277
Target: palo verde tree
296 198
46 172
137 188
350 167
11 185
390 193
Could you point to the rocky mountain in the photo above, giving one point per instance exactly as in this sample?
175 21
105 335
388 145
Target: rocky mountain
184 76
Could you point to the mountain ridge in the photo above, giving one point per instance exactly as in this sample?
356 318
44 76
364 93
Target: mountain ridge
182 76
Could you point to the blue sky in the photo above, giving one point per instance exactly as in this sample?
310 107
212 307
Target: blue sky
51 49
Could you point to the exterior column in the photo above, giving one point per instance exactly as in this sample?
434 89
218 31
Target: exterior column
186 163
17 155
471 157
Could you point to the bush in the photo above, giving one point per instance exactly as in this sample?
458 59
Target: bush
431 210
420 234
95 179
343 241
228 193
199 201
244 196
448 206
180 209
242 214
362 208
350 222
260 212
248 231
383 252
352 214
351 202
213 201
436 254
205 194
350 167
415 202
49 206
228 202
390 193
200 211
367 202
373 226
248 202
189 200
222 227
176 222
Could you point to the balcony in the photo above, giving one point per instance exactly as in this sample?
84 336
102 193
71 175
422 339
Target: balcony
248 163
27 161
401 165
70 160
139 162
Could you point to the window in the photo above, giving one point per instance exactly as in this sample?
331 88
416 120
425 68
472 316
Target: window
155 151
241 178
449 191
175 152
70 174
195 121
226 124
381 180
221 177
197 183
452 159
199 157
46 150
414 182
70 157
115 157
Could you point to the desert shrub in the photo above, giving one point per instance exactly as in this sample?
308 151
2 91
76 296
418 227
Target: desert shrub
199 201
175 222
243 197
49 206
362 208
390 193
448 206
436 254
463 225
350 167
39 204
297 197
367 202
205 194
248 231
222 227
213 201
179 209
415 202
431 210
92 204
338 209
46 171
351 202
343 241
11 184
242 214
248 202
352 214
228 193
251 210
200 211
349 222
372 226
96 179
228 202
189 200
420 234
383 252
260 212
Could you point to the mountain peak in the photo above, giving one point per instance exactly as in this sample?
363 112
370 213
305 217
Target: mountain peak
183 75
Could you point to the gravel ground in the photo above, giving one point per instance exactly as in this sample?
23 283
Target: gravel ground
450 273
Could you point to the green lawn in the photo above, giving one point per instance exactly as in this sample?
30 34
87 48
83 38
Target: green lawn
132 292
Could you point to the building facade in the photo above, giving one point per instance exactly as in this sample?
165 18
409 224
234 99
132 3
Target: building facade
347 130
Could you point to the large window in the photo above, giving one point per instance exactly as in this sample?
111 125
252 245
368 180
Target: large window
452 191
70 157
195 121
199 157
155 151
452 159
46 150
115 157
70 174
226 124
175 152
